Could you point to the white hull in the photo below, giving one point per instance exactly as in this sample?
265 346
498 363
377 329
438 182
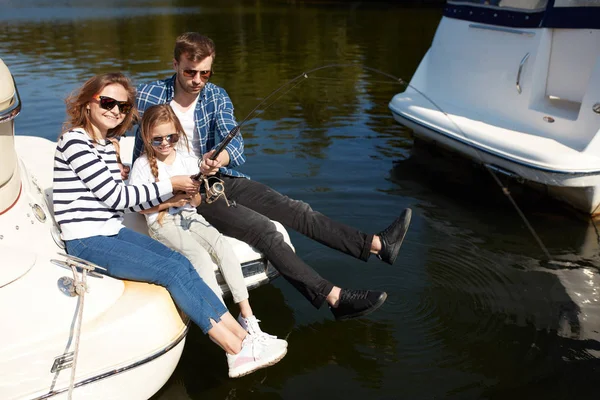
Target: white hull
525 102
151 375
522 101
579 191
131 332
132 335
135 378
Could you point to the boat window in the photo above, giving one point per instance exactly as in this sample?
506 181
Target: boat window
515 5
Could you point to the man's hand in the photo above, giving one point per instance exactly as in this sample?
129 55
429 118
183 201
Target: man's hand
210 167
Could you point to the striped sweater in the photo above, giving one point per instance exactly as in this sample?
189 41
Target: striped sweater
89 196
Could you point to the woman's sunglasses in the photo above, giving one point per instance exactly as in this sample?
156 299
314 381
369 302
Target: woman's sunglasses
108 103
171 138
190 73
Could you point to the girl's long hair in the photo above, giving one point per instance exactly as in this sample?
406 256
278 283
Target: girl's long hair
154 116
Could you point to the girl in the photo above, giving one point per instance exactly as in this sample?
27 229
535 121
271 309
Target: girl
89 201
176 222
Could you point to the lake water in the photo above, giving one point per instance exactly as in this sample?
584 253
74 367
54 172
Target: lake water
474 308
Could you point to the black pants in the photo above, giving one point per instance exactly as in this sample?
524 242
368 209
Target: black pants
249 221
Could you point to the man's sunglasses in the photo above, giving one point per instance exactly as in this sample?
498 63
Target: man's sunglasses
171 138
108 103
190 73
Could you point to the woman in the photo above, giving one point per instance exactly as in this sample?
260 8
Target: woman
89 201
176 222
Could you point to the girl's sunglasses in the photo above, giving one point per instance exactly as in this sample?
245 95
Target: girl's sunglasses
171 138
108 103
190 73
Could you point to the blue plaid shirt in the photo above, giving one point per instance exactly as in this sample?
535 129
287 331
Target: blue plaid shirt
213 117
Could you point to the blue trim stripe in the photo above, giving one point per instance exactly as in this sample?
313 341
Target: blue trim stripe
573 18
551 17
494 16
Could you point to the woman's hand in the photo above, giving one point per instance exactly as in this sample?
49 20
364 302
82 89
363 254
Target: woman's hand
184 183
125 169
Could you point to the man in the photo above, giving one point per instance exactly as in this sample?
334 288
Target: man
206 113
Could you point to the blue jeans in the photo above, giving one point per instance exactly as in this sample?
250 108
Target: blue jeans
132 256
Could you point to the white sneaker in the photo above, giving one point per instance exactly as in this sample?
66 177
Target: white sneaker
251 326
256 353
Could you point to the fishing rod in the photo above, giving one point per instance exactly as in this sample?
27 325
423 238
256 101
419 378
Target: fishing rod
233 132
217 189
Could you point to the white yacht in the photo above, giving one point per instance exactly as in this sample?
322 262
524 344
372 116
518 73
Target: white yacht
66 332
515 85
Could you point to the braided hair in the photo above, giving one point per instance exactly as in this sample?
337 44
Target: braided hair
154 116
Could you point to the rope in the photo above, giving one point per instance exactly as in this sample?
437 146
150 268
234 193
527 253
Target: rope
459 130
80 288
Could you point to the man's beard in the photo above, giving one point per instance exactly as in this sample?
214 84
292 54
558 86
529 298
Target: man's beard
188 88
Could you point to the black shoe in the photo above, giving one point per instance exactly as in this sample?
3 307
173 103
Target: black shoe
356 303
392 237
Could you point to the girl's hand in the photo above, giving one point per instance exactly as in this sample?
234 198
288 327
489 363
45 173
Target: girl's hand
185 184
196 200
179 200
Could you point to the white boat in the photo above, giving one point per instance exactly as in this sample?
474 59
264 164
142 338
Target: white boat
129 337
515 85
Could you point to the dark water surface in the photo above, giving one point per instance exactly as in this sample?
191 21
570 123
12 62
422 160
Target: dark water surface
474 310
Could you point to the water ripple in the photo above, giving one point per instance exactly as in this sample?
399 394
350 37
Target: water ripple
463 298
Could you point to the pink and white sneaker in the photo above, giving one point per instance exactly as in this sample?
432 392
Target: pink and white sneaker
256 353
251 326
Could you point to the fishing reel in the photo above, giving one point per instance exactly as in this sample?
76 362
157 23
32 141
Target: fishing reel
214 188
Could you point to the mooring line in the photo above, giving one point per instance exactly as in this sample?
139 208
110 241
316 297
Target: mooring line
297 80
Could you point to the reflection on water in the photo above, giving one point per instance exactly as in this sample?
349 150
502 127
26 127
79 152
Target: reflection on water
474 308
493 297
259 48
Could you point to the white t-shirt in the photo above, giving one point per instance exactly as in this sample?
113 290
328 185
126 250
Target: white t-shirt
184 164
189 127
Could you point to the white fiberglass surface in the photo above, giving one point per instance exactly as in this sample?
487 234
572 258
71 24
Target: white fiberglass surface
19 263
487 133
471 76
7 89
570 67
